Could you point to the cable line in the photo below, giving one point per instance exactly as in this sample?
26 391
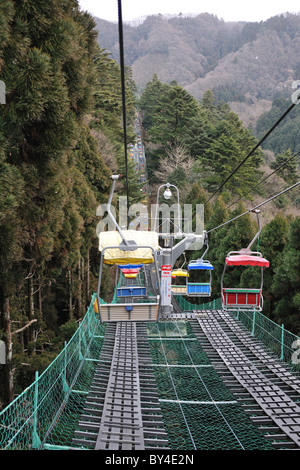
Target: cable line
264 179
254 208
254 148
121 44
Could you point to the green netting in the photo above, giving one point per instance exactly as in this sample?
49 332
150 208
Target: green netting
284 344
210 429
187 306
199 411
49 409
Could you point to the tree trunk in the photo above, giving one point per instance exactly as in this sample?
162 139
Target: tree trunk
40 301
31 312
70 301
8 373
87 295
79 284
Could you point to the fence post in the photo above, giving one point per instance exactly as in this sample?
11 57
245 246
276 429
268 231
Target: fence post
253 323
36 442
282 342
66 387
79 341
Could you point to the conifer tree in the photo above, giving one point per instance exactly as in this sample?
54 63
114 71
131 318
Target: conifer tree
47 63
285 282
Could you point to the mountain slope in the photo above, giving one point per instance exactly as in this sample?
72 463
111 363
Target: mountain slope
248 63
261 69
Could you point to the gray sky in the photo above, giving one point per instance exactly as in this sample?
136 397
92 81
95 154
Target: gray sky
229 10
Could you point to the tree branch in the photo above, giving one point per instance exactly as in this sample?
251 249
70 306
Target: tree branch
24 327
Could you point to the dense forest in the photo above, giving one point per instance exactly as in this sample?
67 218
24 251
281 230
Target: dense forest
60 140
61 137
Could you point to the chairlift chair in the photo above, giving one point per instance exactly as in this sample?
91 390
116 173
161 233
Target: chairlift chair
131 288
244 298
127 247
179 288
199 289
198 281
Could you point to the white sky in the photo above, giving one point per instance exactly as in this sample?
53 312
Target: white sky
229 10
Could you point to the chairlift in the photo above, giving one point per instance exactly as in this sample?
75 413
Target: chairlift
178 287
127 247
195 287
244 298
131 288
130 271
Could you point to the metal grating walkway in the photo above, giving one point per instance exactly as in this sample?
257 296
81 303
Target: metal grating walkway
122 409
121 425
270 396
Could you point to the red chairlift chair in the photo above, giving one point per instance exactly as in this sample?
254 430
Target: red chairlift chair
243 298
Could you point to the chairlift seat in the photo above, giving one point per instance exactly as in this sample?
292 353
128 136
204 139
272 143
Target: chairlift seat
199 288
111 241
130 273
130 266
131 291
241 298
179 273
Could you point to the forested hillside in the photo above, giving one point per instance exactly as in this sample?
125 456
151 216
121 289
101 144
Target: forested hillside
246 64
61 137
237 61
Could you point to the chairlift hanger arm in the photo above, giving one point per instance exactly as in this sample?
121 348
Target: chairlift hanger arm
257 212
112 190
183 245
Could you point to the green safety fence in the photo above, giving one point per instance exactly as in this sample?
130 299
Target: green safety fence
46 414
284 344
187 306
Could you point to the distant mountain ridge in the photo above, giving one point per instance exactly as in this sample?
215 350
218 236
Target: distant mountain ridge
245 64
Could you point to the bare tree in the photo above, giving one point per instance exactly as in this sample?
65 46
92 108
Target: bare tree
177 158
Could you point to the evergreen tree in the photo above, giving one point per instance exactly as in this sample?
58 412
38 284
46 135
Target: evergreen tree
53 183
285 282
149 100
172 116
271 243
287 166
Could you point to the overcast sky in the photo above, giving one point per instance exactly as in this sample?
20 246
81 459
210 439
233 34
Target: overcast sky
229 10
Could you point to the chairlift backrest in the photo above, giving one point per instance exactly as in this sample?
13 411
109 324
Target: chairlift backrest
200 264
244 258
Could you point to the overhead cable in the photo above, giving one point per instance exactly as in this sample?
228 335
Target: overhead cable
254 208
122 67
254 148
264 179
